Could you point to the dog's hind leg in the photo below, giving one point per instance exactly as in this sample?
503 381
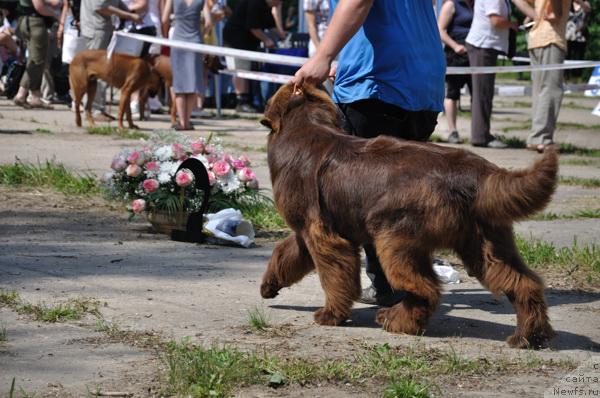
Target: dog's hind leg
500 268
408 268
289 263
337 262
91 95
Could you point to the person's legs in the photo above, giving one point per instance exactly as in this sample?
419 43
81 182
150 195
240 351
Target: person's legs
482 95
371 118
34 31
180 103
547 95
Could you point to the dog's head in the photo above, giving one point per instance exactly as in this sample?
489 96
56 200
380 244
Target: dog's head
291 96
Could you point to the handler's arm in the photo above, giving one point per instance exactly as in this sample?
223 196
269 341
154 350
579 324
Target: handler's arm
348 17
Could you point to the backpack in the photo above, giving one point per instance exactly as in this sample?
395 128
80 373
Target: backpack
12 79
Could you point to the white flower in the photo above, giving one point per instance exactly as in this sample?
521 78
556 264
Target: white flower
164 153
203 159
229 182
164 178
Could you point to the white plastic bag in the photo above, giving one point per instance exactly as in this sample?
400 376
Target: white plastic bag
124 45
72 44
228 225
445 272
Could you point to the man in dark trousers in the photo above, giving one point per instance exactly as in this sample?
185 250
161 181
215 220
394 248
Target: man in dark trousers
244 30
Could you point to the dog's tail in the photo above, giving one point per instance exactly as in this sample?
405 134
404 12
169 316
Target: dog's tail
506 196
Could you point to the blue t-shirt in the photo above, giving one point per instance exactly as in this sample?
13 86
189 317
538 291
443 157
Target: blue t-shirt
396 57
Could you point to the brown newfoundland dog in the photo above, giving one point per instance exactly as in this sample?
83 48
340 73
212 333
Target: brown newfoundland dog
338 192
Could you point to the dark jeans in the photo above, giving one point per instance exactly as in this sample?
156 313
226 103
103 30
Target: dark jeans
370 118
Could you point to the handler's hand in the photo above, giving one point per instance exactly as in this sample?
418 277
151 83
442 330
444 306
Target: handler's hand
315 71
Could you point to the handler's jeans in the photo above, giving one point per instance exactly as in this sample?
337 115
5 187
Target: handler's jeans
369 118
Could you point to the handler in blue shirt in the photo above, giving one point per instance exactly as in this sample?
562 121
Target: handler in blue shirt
389 80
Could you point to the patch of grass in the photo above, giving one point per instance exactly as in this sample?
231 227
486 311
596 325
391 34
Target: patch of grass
209 372
575 150
540 254
576 126
102 130
48 175
71 310
513 142
517 127
247 148
257 319
126 134
584 182
133 135
3 333
580 162
585 213
521 104
405 387
436 138
43 131
9 298
574 105
199 371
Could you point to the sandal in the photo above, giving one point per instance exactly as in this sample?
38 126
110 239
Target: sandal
179 127
22 103
536 147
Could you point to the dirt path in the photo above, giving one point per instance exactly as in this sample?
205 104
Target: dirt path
54 247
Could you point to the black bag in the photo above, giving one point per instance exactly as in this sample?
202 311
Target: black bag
14 73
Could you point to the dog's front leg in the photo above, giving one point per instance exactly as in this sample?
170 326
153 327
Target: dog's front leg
289 263
338 264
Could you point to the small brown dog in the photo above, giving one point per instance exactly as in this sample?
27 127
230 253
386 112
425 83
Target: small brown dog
338 192
125 72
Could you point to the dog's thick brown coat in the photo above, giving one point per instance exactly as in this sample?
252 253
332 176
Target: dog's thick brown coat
338 192
125 72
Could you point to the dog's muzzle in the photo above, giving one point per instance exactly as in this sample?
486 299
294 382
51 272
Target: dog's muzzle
269 290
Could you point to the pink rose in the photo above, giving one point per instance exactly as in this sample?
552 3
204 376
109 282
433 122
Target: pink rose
209 149
184 177
138 206
118 164
197 147
178 151
211 178
221 168
252 184
133 170
150 185
238 164
136 157
244 159
246 174
227 157
152 166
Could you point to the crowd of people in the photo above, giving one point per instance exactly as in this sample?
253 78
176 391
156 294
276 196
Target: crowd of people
472 32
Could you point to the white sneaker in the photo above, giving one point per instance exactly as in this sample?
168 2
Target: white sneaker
135 108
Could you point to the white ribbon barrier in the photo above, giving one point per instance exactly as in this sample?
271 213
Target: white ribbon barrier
299 61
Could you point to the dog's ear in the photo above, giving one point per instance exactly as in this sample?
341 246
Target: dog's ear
271 117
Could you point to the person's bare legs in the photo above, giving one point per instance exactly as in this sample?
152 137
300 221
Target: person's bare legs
450 108
180 103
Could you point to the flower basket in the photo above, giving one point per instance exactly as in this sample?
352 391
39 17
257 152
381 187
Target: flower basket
171 179
165 223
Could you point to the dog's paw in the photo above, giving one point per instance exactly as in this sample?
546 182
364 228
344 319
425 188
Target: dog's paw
269 290
535 341
396 320
328 318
